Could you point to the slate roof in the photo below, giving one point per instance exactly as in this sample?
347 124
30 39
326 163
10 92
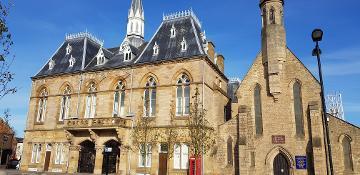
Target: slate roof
85 48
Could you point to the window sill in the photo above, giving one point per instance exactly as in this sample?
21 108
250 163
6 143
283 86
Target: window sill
39 123
181 117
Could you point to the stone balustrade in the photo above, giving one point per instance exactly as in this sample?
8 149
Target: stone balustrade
97 123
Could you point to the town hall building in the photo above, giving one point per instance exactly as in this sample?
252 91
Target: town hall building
87 97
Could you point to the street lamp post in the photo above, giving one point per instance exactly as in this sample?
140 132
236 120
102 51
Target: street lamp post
317 35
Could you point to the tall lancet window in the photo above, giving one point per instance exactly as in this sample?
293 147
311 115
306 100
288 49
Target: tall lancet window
91 101
150 98
258 110
230 151
65 104
298 109
156 49
183 45
41 112
264 20
272 15
183 96
119 100
348 163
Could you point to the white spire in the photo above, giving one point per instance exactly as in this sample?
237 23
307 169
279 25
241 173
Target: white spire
135 25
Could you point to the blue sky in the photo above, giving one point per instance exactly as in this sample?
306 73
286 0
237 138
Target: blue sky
39 27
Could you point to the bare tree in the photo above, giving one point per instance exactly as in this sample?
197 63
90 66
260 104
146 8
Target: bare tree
7 118
6 42
200 131
144 133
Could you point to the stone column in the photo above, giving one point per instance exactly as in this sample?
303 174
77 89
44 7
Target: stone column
99 159
73 158
317 133
123 162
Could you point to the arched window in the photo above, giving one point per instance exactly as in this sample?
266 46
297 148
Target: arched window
264 17
41 112
150 97
272 15
119 100
348 163
258 110
183 45
127 53
173 32
298 109
183 96
230 151
65 104
91 101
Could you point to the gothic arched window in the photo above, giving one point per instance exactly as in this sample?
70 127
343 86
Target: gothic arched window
258 110
183 96
348 163
298 109
65 104
150 97
119 100
91 101
272 15
41 112
230 151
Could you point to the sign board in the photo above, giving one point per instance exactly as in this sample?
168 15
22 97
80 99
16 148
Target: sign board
278 139
108 149
301 162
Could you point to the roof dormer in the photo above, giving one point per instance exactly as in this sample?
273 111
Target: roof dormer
51 64
183 45
156 49
173 32
72 61
100 57
68 49
127 53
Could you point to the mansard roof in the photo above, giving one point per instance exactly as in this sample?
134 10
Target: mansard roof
85 47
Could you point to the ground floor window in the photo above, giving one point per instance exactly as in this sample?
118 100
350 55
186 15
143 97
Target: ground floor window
35 154
145 155
181 156
60 154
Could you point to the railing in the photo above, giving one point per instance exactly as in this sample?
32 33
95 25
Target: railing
97 123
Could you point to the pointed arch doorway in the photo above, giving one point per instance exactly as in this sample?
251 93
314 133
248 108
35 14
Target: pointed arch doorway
87 156
281 165
113 158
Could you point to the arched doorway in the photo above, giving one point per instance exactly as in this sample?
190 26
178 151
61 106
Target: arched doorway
114 157
87 156
281 165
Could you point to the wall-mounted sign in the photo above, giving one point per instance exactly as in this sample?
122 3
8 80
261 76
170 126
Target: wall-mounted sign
301 163
278 139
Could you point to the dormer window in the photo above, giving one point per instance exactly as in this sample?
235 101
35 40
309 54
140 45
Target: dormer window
156 49
68 49
72 61
51 64
127 53
173 32
100 57
183 45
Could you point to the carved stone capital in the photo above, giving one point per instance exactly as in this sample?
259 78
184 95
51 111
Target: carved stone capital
69 137
93 135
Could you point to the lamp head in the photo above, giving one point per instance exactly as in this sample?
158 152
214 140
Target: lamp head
317 35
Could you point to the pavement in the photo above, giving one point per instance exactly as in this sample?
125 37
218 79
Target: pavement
17 172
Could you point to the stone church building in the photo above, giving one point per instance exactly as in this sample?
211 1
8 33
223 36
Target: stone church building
86 97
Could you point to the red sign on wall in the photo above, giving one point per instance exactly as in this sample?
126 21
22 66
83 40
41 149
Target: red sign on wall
278 139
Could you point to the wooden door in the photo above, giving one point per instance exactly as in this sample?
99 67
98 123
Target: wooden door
47 160
281 165
163 163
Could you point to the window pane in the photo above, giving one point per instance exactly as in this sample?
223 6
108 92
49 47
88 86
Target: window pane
122 103
148 155
184 156
39 110
153 102
67 107
177 156
116 103
88 106
62 109
179 96
142 155
93 105
187 100
146 102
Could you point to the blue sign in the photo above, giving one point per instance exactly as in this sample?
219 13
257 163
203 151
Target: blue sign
301 163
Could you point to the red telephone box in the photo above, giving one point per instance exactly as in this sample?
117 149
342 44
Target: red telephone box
195 166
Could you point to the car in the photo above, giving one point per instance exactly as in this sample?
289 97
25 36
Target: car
12 164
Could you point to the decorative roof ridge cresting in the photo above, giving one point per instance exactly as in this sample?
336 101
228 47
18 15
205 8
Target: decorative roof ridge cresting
84 35
182 14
